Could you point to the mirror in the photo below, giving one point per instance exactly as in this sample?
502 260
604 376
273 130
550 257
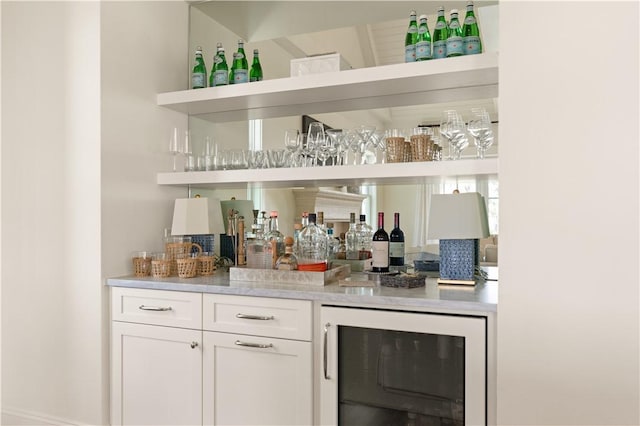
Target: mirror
288 30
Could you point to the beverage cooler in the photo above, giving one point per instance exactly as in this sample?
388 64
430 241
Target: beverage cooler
383 367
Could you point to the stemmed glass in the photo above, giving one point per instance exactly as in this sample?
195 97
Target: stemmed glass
315 139
175 148
480 128
453 128
336 137
292 144
367 148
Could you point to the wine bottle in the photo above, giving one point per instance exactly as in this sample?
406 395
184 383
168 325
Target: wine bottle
380 247
396 243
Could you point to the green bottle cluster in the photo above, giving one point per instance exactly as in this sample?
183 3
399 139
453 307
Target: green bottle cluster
221 73
449 39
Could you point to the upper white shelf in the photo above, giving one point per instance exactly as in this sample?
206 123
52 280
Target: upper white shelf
381 174
436 81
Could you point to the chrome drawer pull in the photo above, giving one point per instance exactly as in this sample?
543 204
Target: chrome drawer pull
255 317
325 354
253 345
155 308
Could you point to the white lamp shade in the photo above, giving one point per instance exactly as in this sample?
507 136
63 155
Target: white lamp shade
190 217
458 216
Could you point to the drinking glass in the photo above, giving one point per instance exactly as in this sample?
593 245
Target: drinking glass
292 140
307 151
480 128
175 148
336 137
453 129
367 148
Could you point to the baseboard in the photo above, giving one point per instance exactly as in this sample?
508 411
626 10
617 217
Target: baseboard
17 417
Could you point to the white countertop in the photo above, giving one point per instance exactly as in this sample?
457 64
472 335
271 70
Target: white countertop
481 298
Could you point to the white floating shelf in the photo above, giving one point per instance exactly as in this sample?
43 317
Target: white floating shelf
427 82
381 174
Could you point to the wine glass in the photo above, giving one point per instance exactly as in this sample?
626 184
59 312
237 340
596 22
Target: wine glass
336 137
292 140
453 128
480 128
367 149
175 148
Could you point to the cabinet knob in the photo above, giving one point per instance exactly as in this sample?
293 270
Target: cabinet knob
194 345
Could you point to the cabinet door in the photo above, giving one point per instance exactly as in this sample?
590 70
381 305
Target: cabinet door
156 375
252 380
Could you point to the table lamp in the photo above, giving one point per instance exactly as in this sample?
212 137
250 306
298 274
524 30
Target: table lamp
192 218
458 221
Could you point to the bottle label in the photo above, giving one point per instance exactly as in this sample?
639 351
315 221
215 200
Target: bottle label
380 254
412 30
440 25
469 20
454 46
220 78
240 76
439 49
240 55
217 60
423 50
471 45
198 80
410 53
396 249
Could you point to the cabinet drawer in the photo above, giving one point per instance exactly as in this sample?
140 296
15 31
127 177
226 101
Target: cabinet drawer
258 316
157 307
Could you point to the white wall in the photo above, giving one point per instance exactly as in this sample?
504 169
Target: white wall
143 45
51 278
82 143
568 324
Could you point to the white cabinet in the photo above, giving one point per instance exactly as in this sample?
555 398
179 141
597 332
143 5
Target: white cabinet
251 380
156 357
257 361
251 365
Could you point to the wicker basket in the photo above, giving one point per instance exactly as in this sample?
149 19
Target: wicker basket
421 148
175 250
141 266
395 149
206 265
187 267
161 268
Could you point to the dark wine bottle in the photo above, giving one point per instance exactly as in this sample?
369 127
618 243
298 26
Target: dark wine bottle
396 243
380 247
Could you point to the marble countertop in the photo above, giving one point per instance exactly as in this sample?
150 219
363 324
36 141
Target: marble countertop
481 298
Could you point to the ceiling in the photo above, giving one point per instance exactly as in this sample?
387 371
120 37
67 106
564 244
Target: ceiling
366 33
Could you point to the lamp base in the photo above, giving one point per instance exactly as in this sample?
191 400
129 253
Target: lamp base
456 282
457 261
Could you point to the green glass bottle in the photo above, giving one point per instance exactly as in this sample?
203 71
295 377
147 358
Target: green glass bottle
471 43
454 40
440 33
423 46
256 69
220 72
199 74
240 66
232 71
411 38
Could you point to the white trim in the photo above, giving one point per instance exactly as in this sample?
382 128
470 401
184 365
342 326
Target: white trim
25 417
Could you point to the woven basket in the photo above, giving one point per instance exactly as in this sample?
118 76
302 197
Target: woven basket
395 149
161 268
187 267
421 148
206 265
175 250
141 266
